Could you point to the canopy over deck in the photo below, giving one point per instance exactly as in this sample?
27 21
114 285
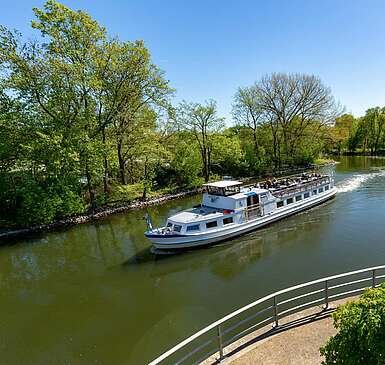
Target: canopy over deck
223 184
224 187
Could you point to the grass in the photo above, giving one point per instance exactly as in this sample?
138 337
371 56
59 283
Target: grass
323 161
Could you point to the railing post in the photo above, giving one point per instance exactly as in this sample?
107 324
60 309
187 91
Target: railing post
220 343
275 309
326 295
373 278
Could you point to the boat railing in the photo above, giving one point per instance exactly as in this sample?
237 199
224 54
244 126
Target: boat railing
271 309
252 211
301 187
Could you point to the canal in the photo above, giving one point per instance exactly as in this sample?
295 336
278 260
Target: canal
95 294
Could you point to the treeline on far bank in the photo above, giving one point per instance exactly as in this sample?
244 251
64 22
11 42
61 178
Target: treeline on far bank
87 120
364 135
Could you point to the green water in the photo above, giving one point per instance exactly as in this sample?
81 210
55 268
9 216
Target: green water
95 294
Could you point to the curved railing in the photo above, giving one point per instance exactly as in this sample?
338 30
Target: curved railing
269 309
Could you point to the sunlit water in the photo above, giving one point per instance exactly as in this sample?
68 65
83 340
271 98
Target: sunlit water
95 294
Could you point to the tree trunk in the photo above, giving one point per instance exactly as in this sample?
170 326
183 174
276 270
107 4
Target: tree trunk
255 142
208 163
144 196
105 176
90 190
286 144
205 164
122 174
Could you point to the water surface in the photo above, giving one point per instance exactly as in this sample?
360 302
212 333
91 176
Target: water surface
95 294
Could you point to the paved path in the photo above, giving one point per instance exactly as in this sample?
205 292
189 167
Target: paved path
296 343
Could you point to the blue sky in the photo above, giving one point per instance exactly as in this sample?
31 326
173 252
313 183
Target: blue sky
210 48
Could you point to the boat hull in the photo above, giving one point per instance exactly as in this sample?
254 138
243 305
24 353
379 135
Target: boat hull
178 241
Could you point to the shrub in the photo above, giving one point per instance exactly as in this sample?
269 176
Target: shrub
361 331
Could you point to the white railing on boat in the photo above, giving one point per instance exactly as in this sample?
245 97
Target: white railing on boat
302 188
252 212
269 309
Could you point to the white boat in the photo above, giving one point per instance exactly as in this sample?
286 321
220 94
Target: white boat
229 209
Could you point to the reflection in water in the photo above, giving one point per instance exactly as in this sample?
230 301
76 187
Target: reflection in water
97 294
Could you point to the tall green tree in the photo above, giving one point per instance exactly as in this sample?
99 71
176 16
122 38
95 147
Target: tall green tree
248 112
374 125
202 122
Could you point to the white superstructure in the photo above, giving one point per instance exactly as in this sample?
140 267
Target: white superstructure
229 209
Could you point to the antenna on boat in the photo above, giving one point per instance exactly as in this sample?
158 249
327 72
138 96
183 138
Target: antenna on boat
148 221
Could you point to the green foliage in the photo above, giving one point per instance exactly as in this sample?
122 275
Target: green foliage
74 109
202 122
123 193
25 200
361 331
227 155
365 134
40 204
86 120
186 164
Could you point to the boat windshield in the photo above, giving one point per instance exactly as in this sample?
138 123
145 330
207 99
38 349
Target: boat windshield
223 188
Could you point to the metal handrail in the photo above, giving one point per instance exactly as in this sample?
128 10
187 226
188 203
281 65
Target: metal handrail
301 188
273 305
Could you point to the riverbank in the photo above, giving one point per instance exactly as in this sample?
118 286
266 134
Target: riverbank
100 214
121 207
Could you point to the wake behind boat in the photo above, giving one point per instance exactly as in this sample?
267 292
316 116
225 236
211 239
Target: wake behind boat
230 209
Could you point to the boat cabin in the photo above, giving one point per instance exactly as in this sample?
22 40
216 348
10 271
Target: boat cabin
223 188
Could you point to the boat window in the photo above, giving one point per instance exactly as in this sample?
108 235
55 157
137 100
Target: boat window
169 225
314 192
177 228
280 204
289 201
320 190
326 187
306 195
194 227
228 220
211 224
298 198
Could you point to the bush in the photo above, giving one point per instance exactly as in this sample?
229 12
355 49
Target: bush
126 193
43 204
25 200
361 331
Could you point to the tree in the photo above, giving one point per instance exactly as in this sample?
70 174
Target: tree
248 112
202 121
291 103
342 131
227 157
361 331
374 125
185 164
